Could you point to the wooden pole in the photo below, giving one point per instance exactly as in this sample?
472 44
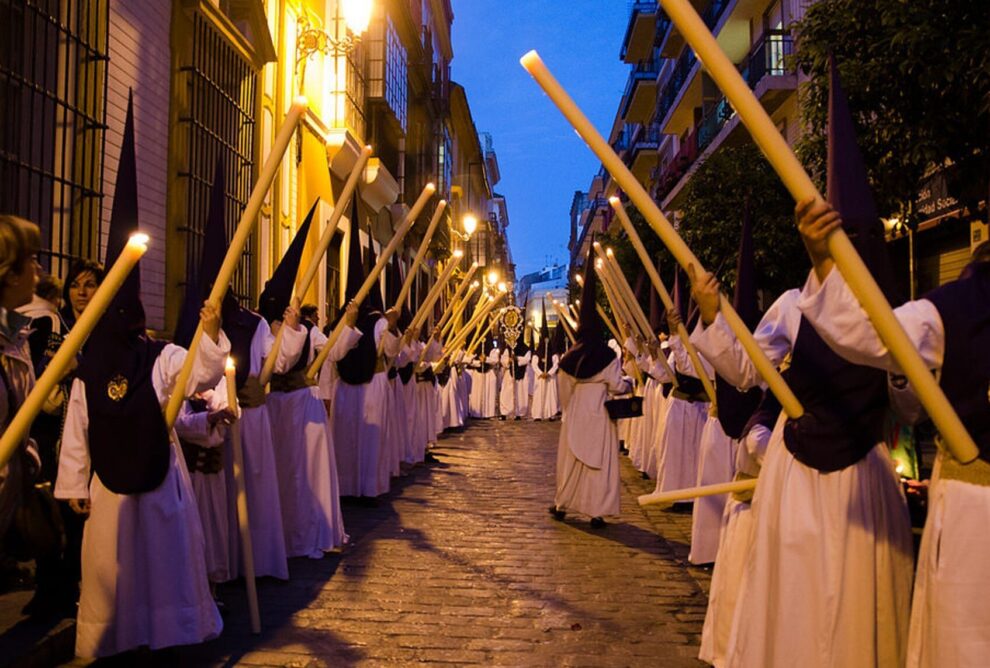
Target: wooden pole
243 520
424 245
607 321
447 332
651 212
563 320
847 260
455 302
431 298
20 423
236 248
372 279
617 309
697 492
313 267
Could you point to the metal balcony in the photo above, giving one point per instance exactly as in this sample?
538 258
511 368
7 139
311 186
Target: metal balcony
641 32
713 122
672 87
642 156
768 57
641 91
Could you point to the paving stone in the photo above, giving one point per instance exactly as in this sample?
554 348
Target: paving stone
461 564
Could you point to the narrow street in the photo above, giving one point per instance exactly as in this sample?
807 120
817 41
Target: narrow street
462 564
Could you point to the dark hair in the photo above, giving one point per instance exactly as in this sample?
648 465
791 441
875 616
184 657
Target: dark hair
48 287
310 312
78 268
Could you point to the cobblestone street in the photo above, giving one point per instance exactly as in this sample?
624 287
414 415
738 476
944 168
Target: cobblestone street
462 564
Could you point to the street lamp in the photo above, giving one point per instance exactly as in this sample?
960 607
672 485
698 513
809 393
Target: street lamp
470 225
492 277
310 40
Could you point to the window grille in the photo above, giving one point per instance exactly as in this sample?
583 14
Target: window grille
219 124
53 80
387 68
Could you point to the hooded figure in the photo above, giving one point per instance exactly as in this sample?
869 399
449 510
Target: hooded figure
545 399
484 384
307 478
588 449
142 510
829 502
717 452
361 396
251 342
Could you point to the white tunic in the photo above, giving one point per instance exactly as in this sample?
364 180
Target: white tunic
545 400
312 522
735 543
144 578
210 489
261 465
588 449
830 577
425 423
484 388
680 440
716 464
514 395
358 424
950 618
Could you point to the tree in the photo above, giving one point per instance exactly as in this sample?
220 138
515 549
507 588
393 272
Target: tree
731 180
917 74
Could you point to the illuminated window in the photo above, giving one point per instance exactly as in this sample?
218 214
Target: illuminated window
387 68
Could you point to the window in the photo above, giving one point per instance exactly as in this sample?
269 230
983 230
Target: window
218 124
53 79
387 68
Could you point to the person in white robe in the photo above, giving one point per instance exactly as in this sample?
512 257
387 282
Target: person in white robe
514 395
830 578
588 479
427 399
484 386
263 462
144 579
545 397
201 428
687 413
309 488
736 537
950 620
716 464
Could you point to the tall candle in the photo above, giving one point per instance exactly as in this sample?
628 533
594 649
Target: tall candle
236 248
689 493
431 298
58 367
243 520
302 287
372 279
651 212
847 260
420 254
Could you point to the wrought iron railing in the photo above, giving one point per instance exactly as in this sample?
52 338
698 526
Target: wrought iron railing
53 82
672 88
219 123
768 57
713 122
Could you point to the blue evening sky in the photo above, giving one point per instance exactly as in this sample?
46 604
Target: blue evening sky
541 159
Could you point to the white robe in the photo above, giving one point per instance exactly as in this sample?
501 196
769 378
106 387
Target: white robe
398 422
359 425
950 617
312 521
829 583
588 448
484 388
427 403
545 400
680 441
144 578
716 464
210 489
261 465
514 395
734 546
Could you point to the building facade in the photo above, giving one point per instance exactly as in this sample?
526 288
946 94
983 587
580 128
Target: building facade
672 117
211 82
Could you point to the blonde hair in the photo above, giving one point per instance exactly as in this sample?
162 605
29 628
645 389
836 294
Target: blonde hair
19 240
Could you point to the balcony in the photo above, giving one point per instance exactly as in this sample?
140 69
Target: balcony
672 88
641 32
766 71
678 166
641 91
642 155
713 122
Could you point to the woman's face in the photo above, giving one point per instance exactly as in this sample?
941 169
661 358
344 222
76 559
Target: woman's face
81 290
